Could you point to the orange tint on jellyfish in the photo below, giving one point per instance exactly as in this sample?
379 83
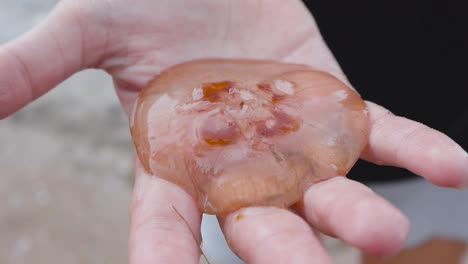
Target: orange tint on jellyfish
212 91
237 133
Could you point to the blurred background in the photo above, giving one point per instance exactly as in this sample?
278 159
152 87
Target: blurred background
66 159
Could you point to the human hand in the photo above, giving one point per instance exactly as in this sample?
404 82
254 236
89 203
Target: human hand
134 42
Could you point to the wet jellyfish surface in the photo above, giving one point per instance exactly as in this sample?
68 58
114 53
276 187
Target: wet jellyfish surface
235 133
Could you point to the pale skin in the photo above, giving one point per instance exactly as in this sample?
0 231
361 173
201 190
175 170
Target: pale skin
135 40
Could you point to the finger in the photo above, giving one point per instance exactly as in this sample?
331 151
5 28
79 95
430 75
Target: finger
165 223
401 142
47 55
353 213
272 235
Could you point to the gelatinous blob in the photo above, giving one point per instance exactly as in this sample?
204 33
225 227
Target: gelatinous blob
279 124
235 133
219 129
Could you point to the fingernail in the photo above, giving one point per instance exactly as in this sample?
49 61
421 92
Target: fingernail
458 158
465 169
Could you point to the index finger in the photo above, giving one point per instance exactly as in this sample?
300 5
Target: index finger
401 142
165 223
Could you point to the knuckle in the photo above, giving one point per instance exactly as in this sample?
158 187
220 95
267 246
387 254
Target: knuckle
15 88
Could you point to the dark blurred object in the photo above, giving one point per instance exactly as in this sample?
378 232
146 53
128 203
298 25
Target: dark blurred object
409 56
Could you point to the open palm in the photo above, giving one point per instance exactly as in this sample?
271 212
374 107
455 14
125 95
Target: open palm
135 40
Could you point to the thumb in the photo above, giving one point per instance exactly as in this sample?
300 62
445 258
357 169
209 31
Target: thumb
48 54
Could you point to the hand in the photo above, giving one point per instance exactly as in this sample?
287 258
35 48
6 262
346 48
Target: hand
134 40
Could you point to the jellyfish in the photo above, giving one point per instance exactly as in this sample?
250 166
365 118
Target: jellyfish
237 133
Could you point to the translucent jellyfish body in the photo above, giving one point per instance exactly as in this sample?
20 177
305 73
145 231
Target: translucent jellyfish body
235 133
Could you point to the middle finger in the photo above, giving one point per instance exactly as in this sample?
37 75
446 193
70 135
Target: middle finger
272 235
353 213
